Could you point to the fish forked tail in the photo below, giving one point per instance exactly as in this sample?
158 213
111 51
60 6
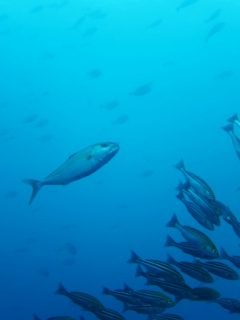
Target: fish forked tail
36 186
228 128
61 290
173 223
233 118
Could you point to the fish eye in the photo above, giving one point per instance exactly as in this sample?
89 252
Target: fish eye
104 145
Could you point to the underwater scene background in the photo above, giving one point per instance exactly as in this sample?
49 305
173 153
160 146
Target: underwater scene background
160 78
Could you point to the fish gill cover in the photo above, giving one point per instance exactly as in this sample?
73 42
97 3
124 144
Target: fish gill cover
159 82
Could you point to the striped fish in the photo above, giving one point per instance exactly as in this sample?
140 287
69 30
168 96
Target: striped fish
230 304
166 316
84 300
229 128
192 269
125 296
210 207
79 165
205 294
193 235
196 212
143 308
108 314
161 269
219 269
191 248
179 290
234 259
198 184
155 298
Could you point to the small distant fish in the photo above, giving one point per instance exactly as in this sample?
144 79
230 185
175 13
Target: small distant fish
78 22
31 118
214 15
147 173
68 262
121 120
230 304
90 32
37 8
155 24
79 165
94 73
142 90
46 137
41 123
225 74
234 259
84 300
71 248
219 269
215 30
113 104
97 14
185 4
43 272
205 294
229 128
11 194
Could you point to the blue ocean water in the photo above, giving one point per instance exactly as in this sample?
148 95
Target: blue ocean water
156 78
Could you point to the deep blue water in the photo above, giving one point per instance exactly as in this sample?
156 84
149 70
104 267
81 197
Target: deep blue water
70 76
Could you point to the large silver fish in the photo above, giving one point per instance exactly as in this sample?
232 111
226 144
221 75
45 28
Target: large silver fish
79 165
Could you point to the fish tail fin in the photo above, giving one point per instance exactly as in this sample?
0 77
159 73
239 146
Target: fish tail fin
180 195
170 259
173 222
36 186
127 288
106 291
233 118
170 242
224 254
35 317
228 128
139 272
134 258
61 290
180 165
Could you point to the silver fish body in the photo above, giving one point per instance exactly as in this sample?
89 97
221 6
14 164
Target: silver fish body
79 165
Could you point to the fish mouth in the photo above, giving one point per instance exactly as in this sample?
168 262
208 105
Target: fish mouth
114 148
